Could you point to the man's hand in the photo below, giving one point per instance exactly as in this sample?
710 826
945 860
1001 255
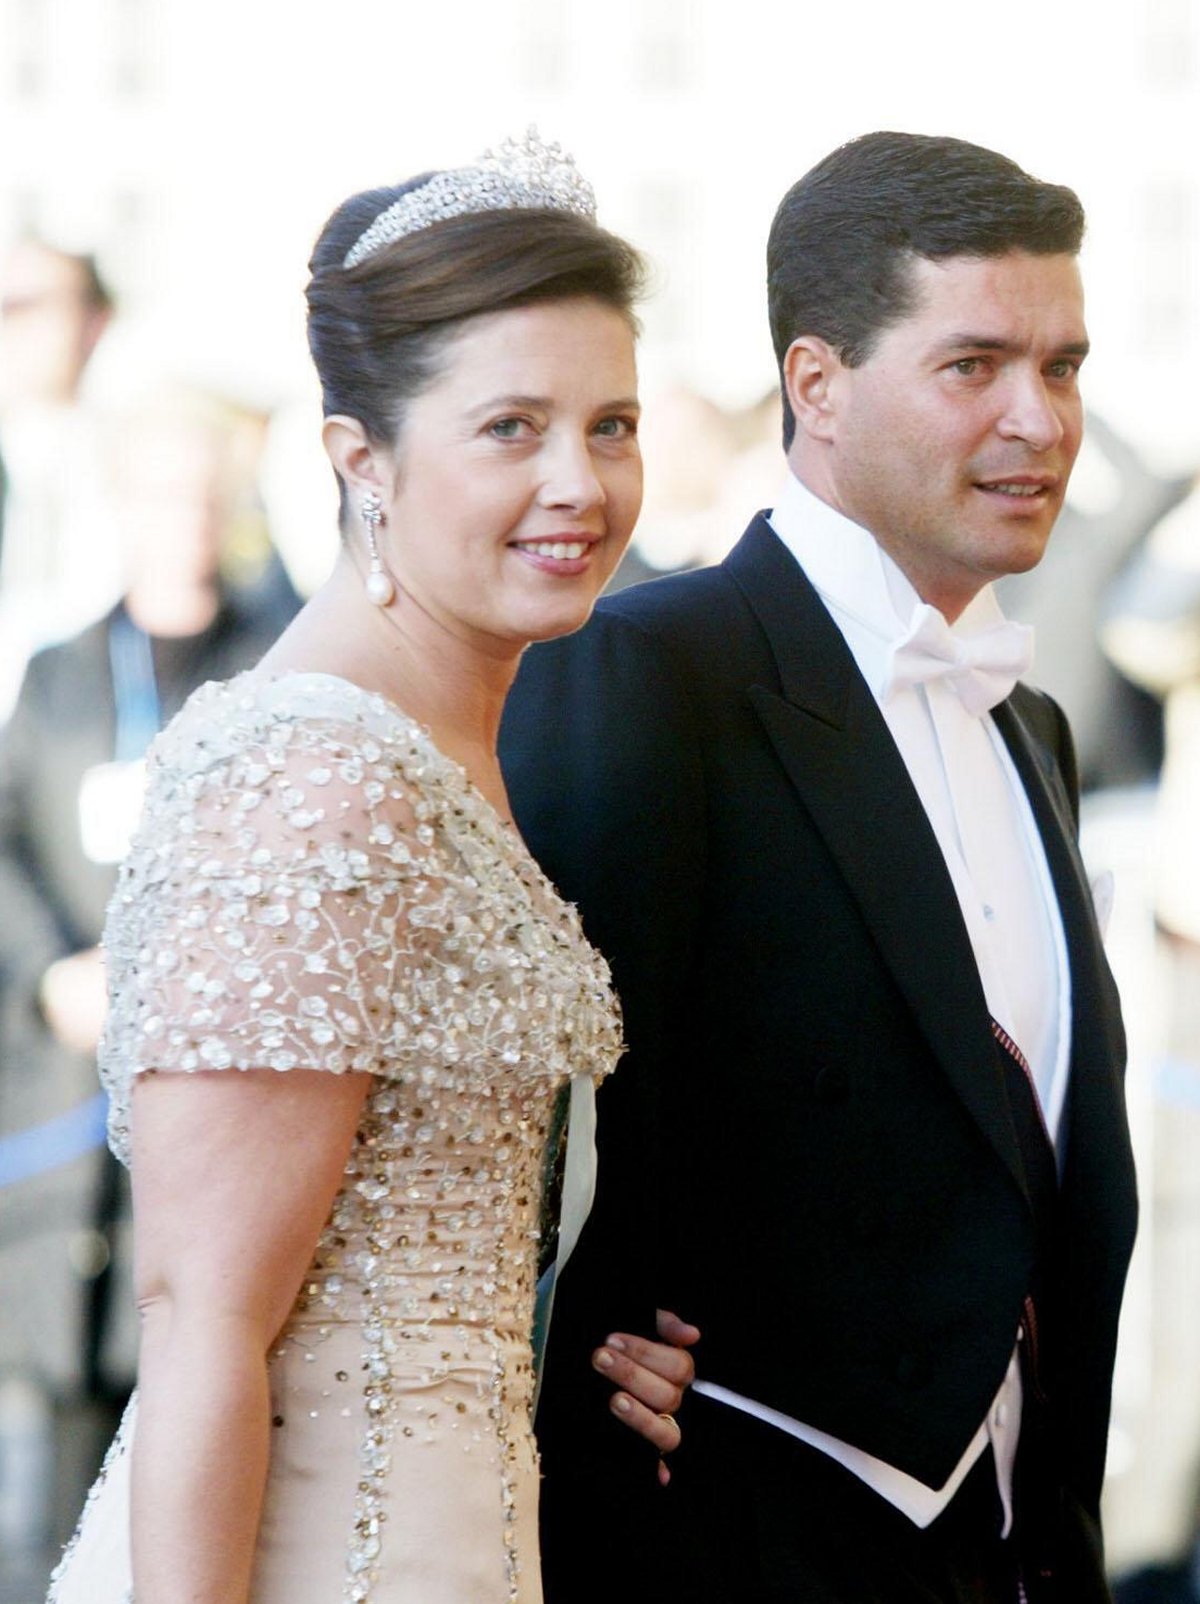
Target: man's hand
652 1378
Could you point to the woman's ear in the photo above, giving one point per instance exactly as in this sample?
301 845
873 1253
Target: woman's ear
810 370
357 463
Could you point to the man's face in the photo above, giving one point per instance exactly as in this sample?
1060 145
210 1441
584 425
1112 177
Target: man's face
48 328
953 442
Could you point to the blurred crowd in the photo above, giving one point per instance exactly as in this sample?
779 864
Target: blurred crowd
138 559
135 563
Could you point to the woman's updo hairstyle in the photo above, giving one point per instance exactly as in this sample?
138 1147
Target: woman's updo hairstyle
377 330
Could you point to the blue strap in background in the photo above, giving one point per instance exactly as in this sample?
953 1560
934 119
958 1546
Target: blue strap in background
57 1141
135 688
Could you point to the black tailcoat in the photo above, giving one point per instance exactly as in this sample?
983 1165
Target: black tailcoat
808 1149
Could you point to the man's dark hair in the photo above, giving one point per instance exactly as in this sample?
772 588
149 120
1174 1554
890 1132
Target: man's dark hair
845 234
95 289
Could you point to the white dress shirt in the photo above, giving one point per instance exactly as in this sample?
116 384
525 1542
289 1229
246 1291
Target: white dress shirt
970 790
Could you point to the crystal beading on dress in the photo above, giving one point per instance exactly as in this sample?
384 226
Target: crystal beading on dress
315 885
520 174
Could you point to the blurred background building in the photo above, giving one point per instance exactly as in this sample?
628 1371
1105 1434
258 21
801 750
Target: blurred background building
198 150
195 152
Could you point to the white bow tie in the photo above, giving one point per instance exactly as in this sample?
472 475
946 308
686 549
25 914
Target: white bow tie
981 669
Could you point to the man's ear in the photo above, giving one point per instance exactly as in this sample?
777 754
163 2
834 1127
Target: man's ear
810 370
357 463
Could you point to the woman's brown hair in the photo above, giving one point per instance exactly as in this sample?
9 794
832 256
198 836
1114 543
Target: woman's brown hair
377 331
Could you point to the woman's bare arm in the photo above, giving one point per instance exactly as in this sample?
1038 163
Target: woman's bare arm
234 1175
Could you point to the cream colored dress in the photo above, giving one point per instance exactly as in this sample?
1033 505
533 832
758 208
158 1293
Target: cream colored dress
314 885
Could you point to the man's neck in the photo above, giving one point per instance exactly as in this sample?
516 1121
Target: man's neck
950 599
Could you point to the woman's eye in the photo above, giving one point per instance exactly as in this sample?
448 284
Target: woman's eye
508 428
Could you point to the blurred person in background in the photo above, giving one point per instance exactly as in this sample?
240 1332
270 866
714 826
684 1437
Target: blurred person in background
1151 629
192 609
704 464
59 556
1175 1580
1114 501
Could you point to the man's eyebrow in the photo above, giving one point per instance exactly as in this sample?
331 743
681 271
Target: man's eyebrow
987 342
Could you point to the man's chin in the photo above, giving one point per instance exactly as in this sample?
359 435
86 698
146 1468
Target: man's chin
1017 549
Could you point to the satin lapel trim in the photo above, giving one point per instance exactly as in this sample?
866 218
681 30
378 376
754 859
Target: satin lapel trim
1099 1186
1051 806
1094 1000
838 754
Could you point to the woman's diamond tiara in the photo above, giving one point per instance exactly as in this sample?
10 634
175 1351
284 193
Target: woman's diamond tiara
522 173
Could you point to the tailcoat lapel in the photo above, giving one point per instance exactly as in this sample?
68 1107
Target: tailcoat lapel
839 755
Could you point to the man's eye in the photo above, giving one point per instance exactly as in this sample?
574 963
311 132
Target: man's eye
1065 368
617 428
967 366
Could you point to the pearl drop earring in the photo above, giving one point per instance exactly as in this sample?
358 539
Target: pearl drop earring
378 585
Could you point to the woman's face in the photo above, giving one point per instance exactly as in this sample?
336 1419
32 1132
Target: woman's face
517 477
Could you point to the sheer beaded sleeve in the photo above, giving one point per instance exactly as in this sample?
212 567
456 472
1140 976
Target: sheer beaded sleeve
274 908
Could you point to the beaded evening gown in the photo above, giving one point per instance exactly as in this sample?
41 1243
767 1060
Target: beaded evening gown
314 885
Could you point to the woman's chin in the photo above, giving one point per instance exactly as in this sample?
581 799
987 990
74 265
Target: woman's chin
561 616
564 621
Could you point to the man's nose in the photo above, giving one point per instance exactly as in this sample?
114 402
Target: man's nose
1032 413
